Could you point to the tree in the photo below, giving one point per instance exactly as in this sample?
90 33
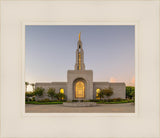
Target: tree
32 84
132 94
26 84
100 95
51 93
29 95
60 96
107 92
39 91
130 90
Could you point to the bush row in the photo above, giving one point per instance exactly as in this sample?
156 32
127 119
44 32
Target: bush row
36 102
28 99
104 100
48 100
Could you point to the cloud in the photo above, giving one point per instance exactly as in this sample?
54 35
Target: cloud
112 79
133 80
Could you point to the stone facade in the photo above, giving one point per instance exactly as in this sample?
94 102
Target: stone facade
84 75
56 85
119 89
88 89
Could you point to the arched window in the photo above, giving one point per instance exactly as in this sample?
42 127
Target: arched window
97 92
79 89
61 91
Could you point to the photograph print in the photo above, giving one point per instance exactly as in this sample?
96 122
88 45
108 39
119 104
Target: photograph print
79 68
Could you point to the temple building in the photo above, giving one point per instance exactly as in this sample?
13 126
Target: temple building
80 83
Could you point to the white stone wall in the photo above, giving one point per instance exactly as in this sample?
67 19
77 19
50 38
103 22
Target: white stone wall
99 85
73 75
119 89
46 86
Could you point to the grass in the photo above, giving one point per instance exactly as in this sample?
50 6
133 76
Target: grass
115 102
99 102
35 102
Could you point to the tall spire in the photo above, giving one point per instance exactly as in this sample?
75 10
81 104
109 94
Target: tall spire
79 36
79 55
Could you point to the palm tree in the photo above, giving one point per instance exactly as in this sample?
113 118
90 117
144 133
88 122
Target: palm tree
32 84
26 84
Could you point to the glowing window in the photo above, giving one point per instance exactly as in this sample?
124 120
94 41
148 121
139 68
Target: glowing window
97 92
79 61
62 91
79 89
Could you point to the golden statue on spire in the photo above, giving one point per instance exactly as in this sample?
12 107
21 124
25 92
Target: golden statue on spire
80 36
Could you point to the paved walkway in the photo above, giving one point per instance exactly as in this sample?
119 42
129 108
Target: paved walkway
100 108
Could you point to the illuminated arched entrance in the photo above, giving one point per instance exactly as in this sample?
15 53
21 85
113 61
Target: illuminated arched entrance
79 89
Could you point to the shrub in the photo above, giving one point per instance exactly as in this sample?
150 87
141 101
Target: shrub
86 101
33 99
100 95
114 100
39 91
29 99
29 94
60 96
80 100
133 95
44 100
64 100
109 100
36 102
74 100
117 99
107 92
94 100
26 99
51 93
130 90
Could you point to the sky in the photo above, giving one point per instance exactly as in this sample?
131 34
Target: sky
109 50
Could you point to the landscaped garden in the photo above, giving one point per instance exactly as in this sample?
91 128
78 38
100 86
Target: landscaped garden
59 98
111 101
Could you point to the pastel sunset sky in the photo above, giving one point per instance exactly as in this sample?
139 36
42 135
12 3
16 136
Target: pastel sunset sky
109 51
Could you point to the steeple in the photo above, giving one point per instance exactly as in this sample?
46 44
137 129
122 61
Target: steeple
79 55
79 36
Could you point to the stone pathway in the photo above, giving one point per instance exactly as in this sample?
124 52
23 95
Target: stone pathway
100 108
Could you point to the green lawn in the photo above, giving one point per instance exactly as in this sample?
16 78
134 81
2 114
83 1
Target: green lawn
35 102
99 102
116 102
